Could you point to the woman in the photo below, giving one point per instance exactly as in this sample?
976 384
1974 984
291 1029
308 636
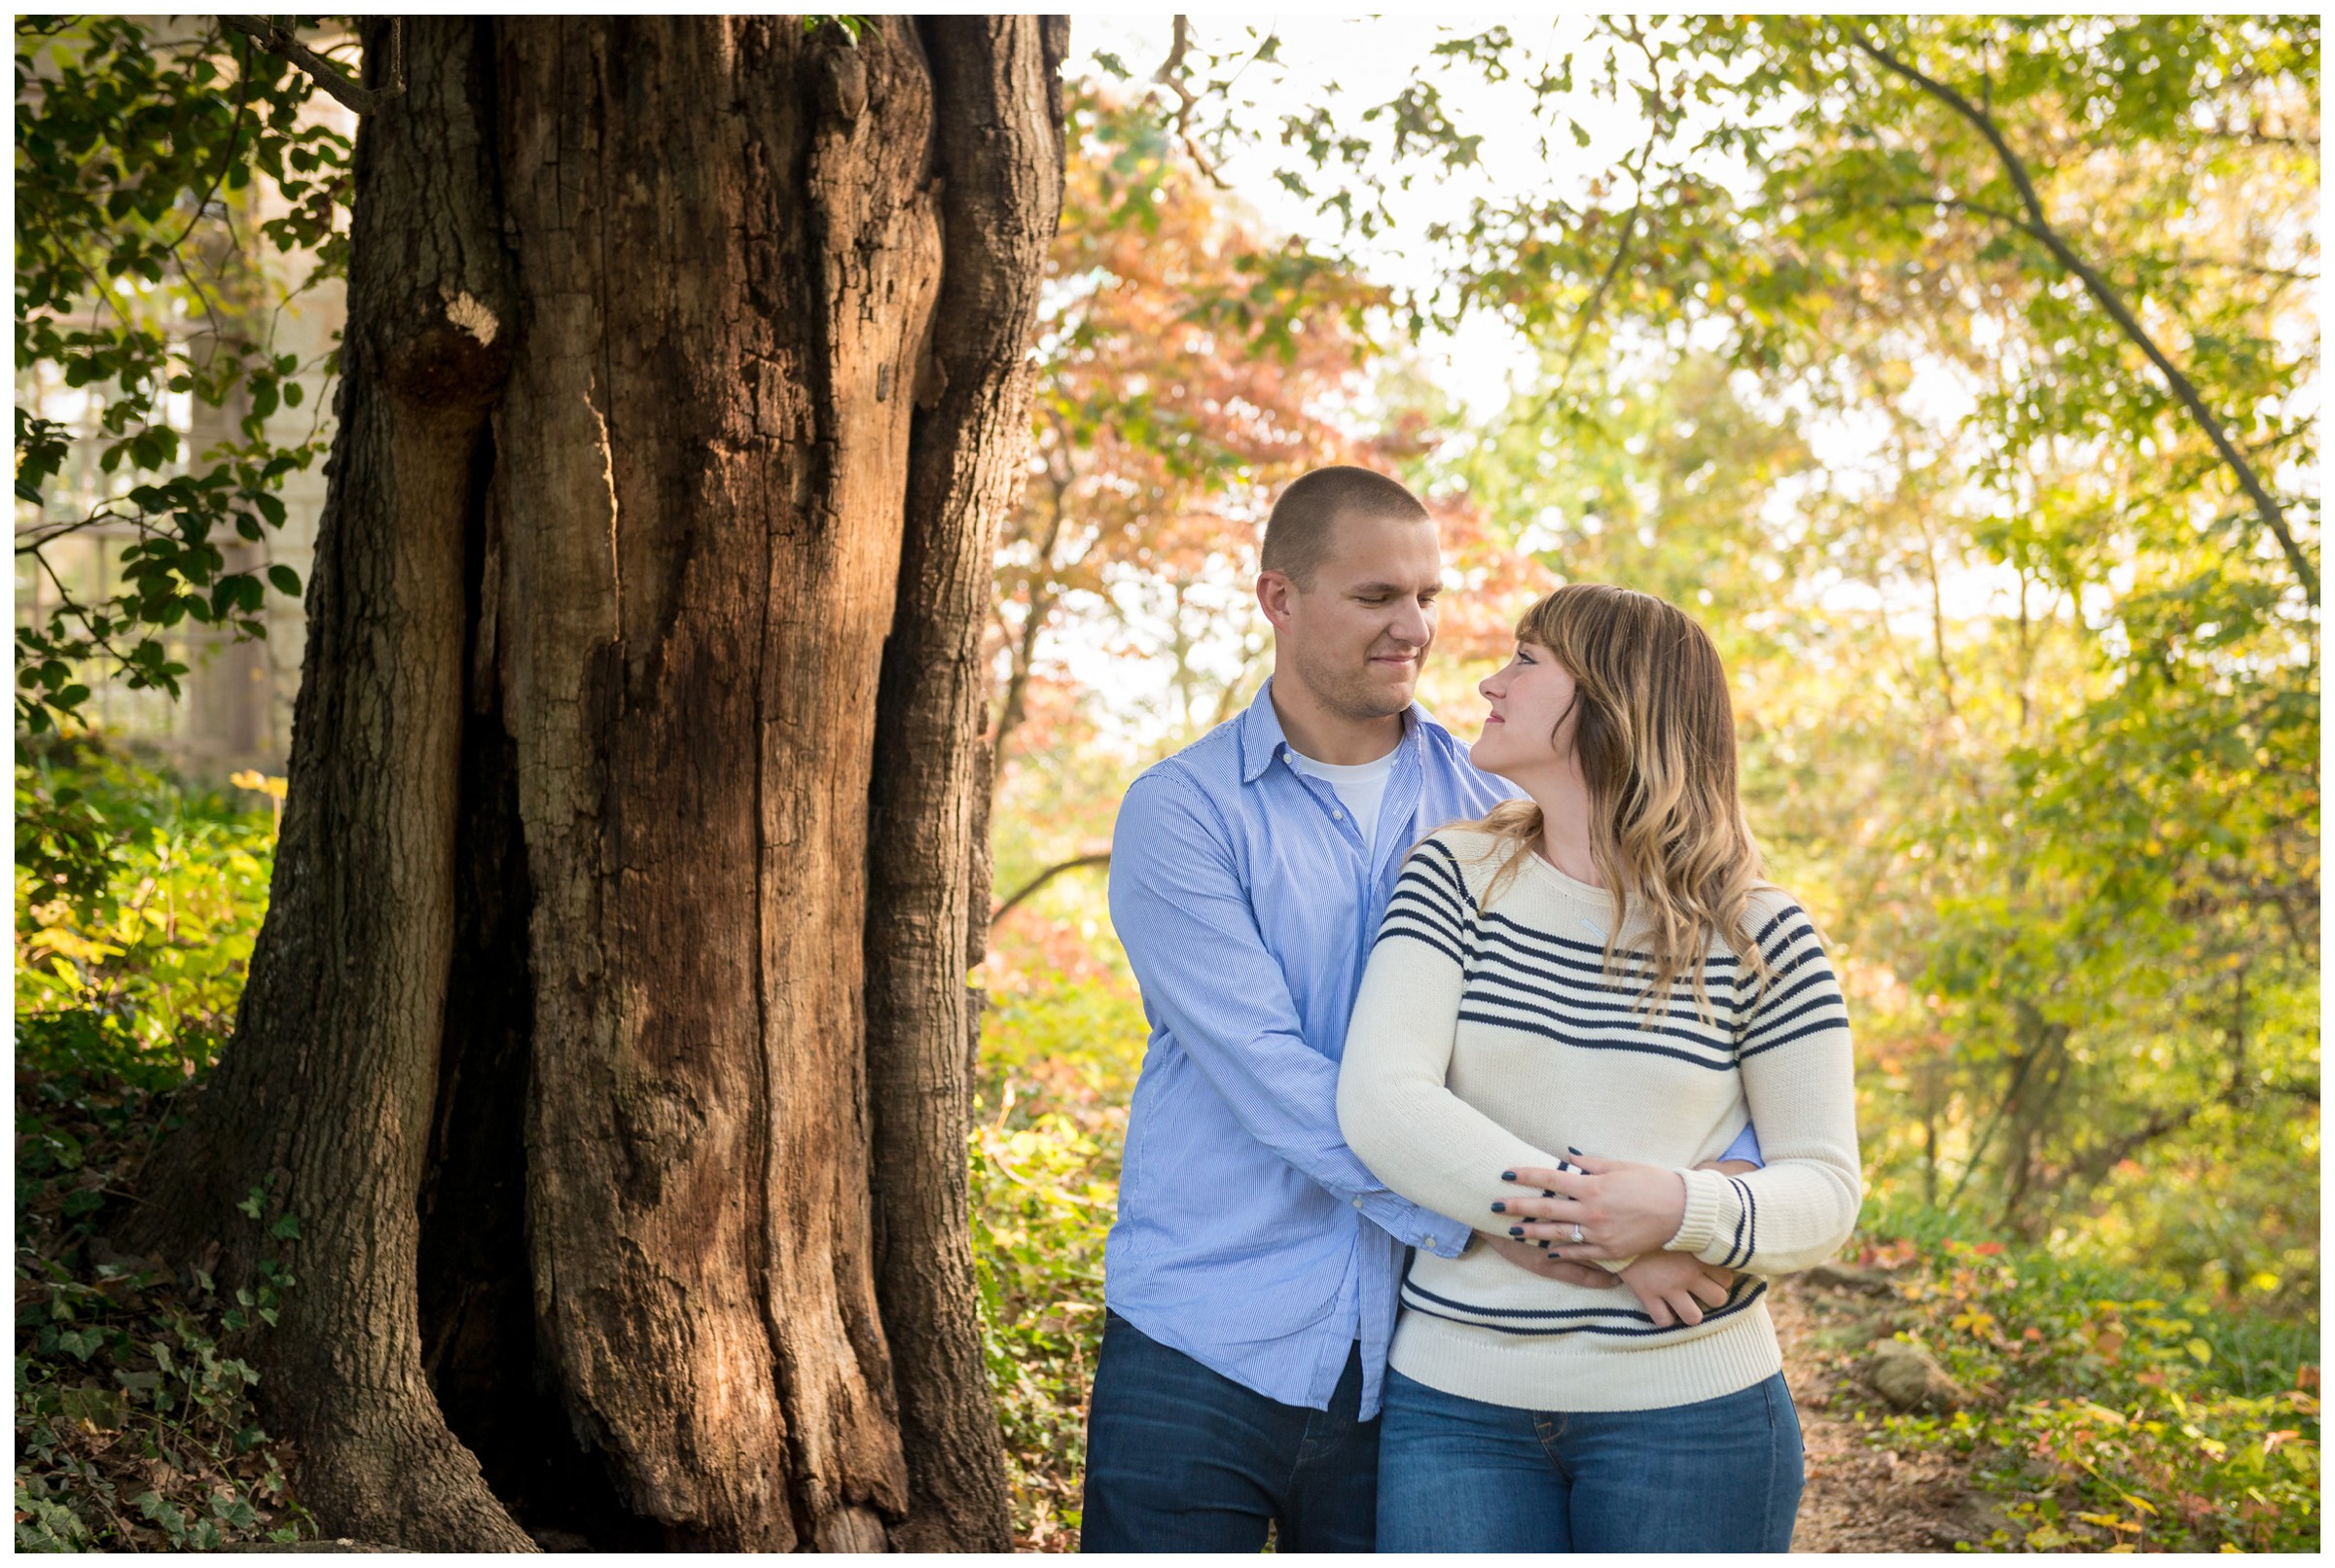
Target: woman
1600 967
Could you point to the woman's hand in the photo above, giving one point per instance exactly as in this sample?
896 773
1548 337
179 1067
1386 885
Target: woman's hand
1609 1209
1535 1259
1675 1288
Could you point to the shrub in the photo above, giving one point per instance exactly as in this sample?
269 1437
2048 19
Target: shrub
137 901
1058 1064
2104 1415
134 1424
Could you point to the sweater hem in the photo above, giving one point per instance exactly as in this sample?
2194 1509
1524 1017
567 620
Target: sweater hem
1493 1367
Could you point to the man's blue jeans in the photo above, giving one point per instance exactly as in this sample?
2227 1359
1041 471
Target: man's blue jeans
1456 1475
1180 1458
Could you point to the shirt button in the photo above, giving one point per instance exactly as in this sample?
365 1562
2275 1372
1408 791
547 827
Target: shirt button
1357 1202
1337 816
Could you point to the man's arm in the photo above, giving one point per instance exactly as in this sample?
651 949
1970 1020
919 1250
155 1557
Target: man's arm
1194 943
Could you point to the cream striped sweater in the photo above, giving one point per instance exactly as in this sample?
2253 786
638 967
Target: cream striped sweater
1486 1039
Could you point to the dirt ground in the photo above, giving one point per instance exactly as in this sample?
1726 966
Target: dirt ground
1860 1498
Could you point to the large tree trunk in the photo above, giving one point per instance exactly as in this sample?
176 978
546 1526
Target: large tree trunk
999 111
558 1040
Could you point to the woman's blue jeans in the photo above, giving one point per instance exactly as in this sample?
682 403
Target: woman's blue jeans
1457 1475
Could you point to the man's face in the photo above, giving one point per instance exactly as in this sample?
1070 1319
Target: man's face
1355 638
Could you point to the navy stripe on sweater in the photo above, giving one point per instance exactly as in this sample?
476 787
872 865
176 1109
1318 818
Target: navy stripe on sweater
1416 1299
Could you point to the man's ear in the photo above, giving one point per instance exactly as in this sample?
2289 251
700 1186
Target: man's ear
1274 590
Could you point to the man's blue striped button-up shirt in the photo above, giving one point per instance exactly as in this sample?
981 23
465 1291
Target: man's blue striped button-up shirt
1250 1236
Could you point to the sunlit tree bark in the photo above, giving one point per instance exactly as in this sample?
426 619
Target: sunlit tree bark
683 374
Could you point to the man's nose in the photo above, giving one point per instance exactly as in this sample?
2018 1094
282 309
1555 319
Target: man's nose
1412 623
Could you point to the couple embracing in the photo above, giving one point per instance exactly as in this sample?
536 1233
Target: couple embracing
1485 1087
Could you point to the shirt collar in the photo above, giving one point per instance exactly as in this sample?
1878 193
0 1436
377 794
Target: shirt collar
1262 739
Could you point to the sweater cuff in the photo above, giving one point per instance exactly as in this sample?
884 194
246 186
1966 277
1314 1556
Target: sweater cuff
1707 1192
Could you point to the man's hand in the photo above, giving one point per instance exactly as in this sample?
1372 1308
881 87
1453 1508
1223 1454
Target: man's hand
1534 1259
1608 1208
1675 1287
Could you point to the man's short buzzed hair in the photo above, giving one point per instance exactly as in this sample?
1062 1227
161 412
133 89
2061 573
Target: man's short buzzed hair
1298 536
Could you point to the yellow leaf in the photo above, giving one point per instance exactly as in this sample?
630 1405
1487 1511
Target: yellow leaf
2203 1351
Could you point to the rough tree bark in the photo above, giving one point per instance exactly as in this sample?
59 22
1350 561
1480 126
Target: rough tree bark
1001 112
607 1033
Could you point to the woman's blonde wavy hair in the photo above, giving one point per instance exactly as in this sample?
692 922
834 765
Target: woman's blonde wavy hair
1655 735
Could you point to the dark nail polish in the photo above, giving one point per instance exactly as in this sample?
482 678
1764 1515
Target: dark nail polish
1507 1175
1499 1208
1516 1230
1545 1193
1570 1150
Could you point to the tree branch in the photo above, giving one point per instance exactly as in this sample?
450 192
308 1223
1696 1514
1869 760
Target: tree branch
1637 207
2038 224
1597 299
280 42
2255 136
235 134
1171 75
1030 887
1010 711
2285 274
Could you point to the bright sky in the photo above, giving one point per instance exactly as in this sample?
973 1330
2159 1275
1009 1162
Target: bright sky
1353 63
1357 62
1371 59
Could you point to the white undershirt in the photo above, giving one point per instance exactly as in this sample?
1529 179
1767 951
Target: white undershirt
1360 787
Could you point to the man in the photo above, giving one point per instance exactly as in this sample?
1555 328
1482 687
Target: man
1251 1275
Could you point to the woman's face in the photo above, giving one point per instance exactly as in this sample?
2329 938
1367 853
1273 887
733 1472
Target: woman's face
1529 697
